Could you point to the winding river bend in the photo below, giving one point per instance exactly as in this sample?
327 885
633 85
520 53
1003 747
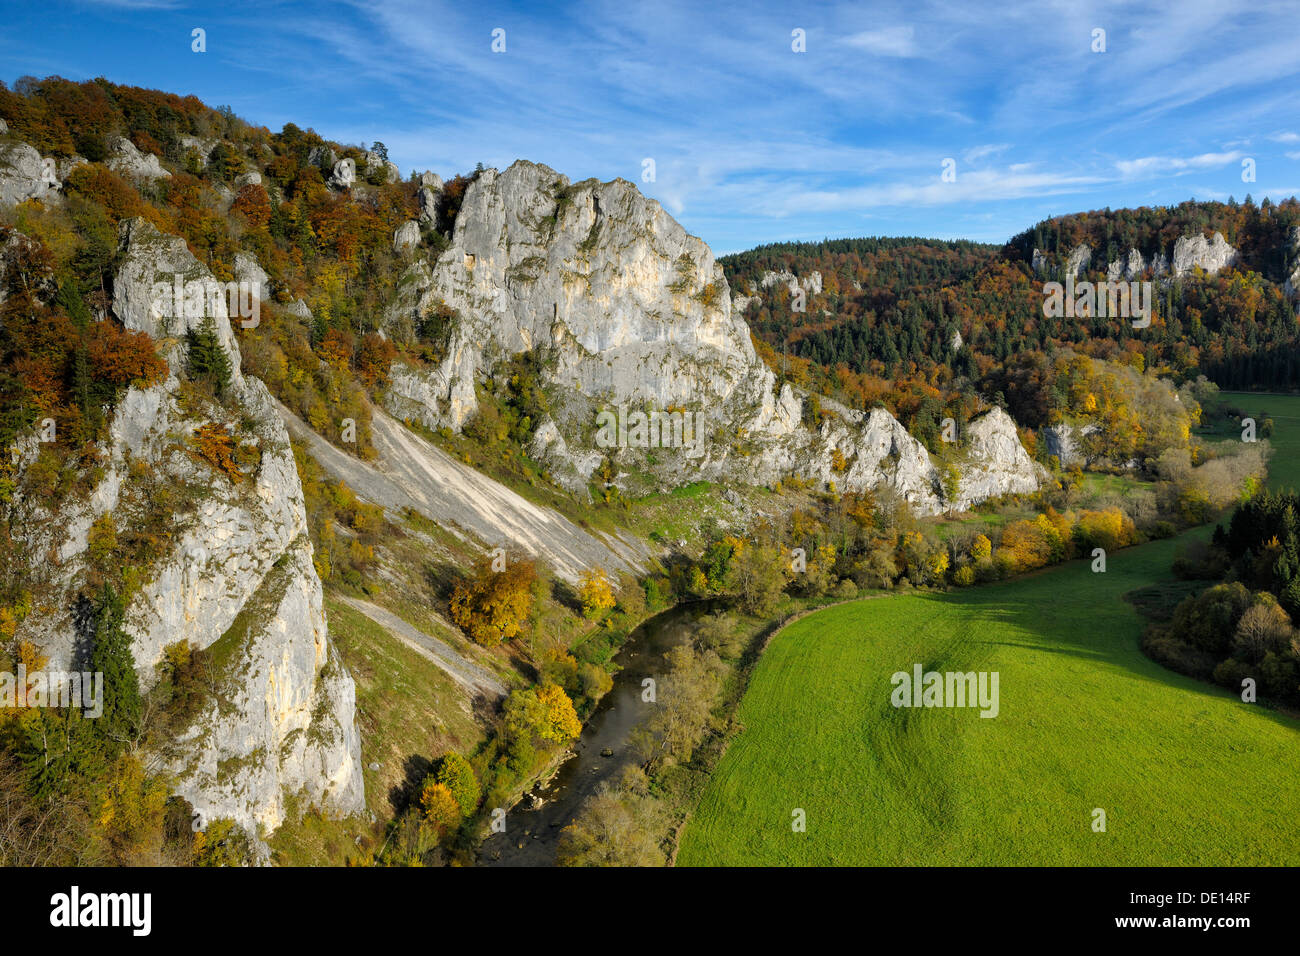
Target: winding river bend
533 826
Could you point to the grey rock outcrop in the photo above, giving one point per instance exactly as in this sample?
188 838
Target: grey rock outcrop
995 463
1292 283
4 128
322 155
1066 442
1210 255
376 165
625 310
407 236
236 571
1075 262
150 261
1129 268
429 199
250 178
25 174
1078 260
250 273
65 165
202 147
344 175
431 180
811 283
124 158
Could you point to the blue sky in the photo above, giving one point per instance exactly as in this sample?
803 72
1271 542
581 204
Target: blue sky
751 141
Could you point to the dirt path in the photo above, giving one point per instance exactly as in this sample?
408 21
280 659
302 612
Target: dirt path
469 675
412 473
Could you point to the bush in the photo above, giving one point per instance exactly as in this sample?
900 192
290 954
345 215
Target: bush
1176 655
455 773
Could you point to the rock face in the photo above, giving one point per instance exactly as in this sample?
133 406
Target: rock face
1210 255
626 310
322 156
236 575
811 283
124 158
1190 252
1078 260
407 236
151 258
1292 283
203 147
1127 269
248 270
344 175
376 165
1065 441
429 199
24 174
996 462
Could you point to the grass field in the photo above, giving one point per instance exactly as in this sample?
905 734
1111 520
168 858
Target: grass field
1186 773
1284 467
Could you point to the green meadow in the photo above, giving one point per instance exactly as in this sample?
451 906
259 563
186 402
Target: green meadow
1284 466
1186 773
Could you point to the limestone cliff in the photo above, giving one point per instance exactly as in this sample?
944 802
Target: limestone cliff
629 311
235 575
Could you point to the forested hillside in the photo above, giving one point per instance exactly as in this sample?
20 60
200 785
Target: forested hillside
881 324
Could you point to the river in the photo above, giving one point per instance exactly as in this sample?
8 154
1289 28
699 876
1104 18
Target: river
533 826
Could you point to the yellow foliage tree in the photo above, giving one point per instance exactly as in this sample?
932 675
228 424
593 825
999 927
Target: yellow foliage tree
595 592
561 721
493 606
441 811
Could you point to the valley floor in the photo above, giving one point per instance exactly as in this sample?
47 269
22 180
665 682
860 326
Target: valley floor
1186 773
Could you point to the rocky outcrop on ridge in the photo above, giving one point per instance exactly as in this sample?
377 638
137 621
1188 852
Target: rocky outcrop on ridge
237 576
627 310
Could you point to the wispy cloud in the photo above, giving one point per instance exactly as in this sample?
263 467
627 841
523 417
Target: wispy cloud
1151 165
889 41
752 141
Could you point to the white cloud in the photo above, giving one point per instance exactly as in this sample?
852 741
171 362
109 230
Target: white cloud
888 41
976 153
1155 165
